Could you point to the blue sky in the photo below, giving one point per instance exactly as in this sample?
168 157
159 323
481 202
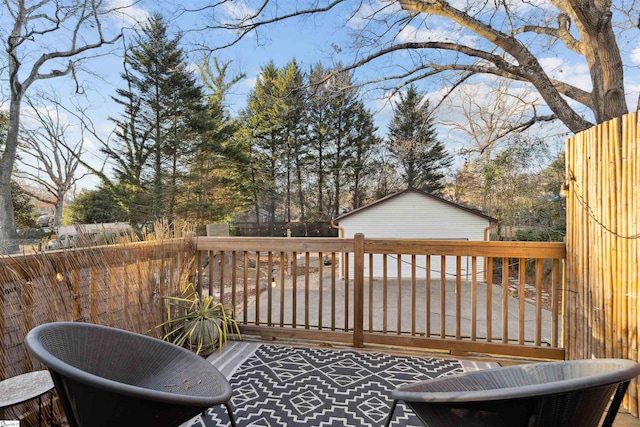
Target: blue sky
309 40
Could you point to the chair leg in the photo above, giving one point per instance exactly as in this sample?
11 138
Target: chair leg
390 416
231 417
229 411
615 404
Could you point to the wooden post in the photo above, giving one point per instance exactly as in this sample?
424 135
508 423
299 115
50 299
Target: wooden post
358 290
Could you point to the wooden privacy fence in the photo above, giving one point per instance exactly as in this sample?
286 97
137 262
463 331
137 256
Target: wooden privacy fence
119 285
324 289
603 227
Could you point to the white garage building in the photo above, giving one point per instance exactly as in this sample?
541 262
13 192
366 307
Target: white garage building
414 214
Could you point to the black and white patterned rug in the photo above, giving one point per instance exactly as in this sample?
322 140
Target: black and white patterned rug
292 386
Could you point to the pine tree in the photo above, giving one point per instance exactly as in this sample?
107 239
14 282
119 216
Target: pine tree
343 138
318 133
413 143
361 164
337 100
290 84
130 153
168 97
263 128
214 186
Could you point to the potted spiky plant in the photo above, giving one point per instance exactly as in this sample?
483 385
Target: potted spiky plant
199 323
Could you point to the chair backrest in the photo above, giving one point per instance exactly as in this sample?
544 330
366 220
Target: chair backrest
107 376
570 393
522 380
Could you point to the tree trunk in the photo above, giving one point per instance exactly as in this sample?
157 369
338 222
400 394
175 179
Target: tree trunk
320 207
7 220
300 190
288 198
57 215
603 56
254 187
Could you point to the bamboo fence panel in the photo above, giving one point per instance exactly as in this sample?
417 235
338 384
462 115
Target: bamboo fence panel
603 203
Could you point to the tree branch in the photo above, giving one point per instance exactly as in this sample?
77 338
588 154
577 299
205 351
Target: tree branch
563 32
250 23
528 65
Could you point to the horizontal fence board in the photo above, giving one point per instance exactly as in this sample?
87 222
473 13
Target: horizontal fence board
269 334
462 347
466 248
29 265
275 244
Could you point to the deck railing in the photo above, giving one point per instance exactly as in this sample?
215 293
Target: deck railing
458 296
478 297
461 297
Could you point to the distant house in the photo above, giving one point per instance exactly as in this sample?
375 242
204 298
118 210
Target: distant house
414 214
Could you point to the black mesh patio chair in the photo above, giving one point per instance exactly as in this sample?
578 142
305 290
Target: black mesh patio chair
570 393
111 377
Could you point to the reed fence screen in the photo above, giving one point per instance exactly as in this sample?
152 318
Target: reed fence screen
119 285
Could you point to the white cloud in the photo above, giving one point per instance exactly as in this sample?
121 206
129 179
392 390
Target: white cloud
576 74
635 56
524 6
364 12
632 95
410 34
437 34
250 82
237 11
29 118
127 12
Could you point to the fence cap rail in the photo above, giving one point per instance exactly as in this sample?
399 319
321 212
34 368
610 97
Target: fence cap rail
553 250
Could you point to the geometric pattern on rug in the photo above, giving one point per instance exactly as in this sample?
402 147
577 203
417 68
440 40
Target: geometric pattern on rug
292 386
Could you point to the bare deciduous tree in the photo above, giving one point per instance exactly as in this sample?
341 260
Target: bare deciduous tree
45 40
50 160
485 119
485 116
505 38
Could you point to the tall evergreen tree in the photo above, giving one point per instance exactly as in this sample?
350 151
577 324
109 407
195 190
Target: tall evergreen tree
130 151
342 117
291 87
130 154
414 144
265 124
169 94
361 164
342 137
318 135
155 130
273 126
215 185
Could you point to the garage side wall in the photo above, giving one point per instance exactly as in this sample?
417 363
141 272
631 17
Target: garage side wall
415 216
